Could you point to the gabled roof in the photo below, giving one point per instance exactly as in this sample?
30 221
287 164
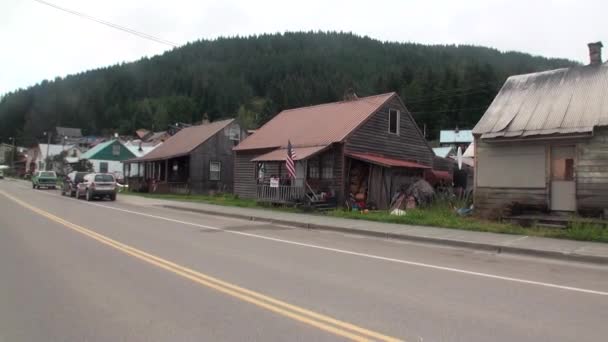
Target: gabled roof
318 125
186 140
53 149
562 101
455 137
68 132
96 149
443 152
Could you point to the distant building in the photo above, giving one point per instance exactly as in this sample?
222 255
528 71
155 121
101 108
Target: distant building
107 157
542 144
67 136
455 138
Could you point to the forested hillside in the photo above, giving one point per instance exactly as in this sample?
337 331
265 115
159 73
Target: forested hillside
255 77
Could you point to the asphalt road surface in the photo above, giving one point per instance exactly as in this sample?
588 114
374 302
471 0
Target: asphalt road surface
71 270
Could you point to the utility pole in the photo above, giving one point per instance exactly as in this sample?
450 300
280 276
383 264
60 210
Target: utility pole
13 155
48 145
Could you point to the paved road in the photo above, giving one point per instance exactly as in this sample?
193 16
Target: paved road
109 271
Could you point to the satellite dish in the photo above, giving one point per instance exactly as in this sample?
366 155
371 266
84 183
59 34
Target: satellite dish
459 158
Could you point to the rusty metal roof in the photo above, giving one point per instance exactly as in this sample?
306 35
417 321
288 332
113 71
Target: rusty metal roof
562 101
184 141
386 162
318 125
281 153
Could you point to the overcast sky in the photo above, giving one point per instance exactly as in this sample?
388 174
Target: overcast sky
39 42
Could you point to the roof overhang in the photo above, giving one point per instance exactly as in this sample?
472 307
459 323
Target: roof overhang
386 162
541 134
280 154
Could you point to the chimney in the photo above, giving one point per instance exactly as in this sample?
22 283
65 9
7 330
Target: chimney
595 53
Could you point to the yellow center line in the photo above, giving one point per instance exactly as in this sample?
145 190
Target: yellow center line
300 314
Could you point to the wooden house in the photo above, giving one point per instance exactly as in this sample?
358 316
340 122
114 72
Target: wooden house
367 147
542 145
196 159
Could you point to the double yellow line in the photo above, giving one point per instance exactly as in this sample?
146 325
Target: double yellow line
331 325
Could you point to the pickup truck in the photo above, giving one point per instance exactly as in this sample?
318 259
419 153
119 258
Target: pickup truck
44 179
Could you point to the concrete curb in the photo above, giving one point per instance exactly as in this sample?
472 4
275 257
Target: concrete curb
416 238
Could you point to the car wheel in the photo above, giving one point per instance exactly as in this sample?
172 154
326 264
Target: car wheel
33 186
113 197
87 196
72 193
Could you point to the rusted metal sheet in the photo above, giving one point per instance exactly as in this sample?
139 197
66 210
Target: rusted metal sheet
562 101
319 125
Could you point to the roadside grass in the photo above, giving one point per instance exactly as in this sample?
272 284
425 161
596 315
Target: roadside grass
218 199
441 214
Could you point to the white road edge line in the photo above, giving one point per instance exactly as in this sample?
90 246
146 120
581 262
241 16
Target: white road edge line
365 255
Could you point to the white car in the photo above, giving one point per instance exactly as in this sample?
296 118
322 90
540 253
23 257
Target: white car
97 185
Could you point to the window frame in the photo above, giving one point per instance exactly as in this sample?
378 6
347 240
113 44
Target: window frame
397 123
116 150
218 172
101 166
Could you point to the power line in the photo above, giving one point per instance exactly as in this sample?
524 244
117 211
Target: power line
112 25
449 110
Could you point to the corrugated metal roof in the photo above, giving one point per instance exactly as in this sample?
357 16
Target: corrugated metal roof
318 125
562 101
455 137
53 149
386 162
443 151
470 151
184 141
280 153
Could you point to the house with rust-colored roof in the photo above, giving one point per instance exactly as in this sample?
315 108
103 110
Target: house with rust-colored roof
366 147
197 159
542 145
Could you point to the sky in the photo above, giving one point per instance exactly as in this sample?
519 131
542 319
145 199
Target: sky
40 42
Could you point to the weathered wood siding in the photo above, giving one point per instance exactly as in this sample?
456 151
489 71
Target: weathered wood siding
244 174
217 149
498 202
592 173
373 137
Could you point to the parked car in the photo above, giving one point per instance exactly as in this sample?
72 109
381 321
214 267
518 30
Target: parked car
44 179
71 181
97 185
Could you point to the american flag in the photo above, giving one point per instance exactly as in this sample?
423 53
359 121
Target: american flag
289 160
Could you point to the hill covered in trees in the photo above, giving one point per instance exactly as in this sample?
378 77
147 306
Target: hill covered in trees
255 77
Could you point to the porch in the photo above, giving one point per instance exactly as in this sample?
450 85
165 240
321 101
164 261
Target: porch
158 176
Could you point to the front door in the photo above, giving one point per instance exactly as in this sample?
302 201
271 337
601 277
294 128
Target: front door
563 185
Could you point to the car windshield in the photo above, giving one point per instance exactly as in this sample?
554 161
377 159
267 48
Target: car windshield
47 174
104 178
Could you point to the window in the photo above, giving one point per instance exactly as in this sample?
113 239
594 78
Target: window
103 167
327 164
116 150
562 169
104 178
393 121
215 169
313 168
261 171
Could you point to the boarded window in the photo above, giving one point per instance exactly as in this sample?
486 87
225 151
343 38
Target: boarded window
393 121
215 169
510 166
103 167
115 150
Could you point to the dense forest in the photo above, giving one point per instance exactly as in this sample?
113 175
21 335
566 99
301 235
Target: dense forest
253 78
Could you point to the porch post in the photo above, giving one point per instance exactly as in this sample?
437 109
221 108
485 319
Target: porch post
166 171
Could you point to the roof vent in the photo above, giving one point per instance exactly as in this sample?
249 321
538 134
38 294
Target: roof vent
595 53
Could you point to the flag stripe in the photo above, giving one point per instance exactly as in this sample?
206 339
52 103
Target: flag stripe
289 161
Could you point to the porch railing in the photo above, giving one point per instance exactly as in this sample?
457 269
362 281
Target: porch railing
280 194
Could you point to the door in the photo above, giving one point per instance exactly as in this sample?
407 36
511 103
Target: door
300 173
563 185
